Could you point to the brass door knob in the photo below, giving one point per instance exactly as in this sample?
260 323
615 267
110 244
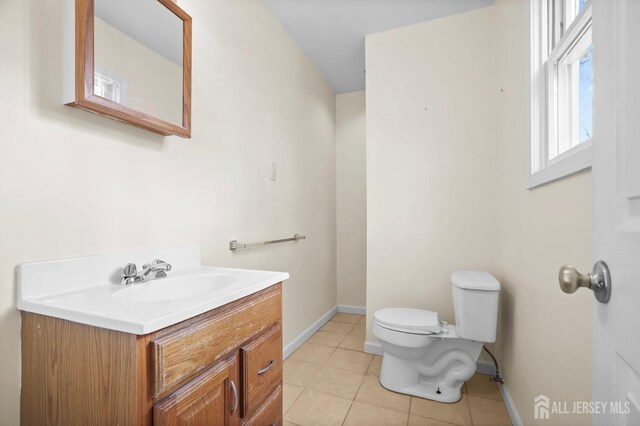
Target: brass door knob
571 279
599 280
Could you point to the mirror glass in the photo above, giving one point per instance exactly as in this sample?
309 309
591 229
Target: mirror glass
138 57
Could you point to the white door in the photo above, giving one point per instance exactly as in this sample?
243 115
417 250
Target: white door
616 208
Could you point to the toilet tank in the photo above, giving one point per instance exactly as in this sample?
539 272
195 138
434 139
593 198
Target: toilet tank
475 301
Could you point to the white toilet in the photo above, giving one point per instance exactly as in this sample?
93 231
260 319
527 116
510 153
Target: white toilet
426 357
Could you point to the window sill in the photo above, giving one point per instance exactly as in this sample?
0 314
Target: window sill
571 162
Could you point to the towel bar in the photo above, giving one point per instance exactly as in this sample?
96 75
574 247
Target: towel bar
235 245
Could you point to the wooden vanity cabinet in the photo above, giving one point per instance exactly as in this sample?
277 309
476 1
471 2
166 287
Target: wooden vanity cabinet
223 367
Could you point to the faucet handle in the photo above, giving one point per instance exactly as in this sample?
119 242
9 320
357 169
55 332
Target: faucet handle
156 269
166 266
129 270
128 274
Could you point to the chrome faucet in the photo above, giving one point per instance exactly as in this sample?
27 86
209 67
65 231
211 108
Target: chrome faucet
150 271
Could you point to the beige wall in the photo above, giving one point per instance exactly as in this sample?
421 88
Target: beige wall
546 334
73 183
463 165
351 203
431 169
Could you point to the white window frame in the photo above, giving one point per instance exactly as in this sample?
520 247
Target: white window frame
120 84
546 133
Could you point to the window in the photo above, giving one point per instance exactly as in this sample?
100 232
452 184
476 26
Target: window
106 87
561 89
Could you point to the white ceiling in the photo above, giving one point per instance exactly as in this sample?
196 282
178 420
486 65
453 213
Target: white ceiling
332 32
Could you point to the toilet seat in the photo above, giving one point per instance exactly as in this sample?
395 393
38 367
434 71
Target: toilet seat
408 320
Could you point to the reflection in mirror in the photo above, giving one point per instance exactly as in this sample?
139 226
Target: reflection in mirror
138 57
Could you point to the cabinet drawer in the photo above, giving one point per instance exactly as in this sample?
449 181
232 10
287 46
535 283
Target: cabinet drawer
261 361
180 354
270 414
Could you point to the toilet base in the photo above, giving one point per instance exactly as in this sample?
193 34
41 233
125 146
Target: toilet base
427 391
434 368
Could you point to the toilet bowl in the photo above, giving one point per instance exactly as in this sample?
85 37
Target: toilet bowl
426 357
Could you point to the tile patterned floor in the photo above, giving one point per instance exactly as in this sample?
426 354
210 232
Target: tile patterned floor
329 380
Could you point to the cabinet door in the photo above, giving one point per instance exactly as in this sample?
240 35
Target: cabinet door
209 399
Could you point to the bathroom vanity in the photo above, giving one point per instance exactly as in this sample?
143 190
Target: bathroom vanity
104 366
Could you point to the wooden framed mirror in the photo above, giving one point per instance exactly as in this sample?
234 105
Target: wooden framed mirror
130 60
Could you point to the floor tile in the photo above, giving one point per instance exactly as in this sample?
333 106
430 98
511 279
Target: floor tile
489 412
423 421
481 385
374 367
456 413
359 330
316 408
309 352
336 382
372 392
362 414
337 327
354 343
348 318
333 368
289 395
357 362
327 339
299 373
363 320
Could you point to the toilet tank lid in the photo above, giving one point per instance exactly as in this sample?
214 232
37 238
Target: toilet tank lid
408 320
475 280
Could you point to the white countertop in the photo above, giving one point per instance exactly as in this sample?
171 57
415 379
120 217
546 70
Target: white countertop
82 289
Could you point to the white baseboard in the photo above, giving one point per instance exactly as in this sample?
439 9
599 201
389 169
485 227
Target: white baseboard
373 348
485 367
511 407
350 309
305 335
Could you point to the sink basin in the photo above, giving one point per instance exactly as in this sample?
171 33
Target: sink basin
169 289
